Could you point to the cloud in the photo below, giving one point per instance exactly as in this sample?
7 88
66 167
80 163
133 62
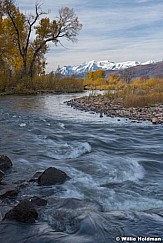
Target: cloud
116 30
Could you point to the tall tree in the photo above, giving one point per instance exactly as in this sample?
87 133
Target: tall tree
24 27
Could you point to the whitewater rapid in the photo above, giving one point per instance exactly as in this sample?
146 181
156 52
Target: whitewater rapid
115 166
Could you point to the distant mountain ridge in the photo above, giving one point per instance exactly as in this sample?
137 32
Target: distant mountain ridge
82 69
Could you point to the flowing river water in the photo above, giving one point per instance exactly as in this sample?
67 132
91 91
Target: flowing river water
115 165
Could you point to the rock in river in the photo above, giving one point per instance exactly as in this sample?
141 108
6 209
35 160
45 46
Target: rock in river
52 176
5 163
8 191
155 120
1 175
37 201
36 176
23 212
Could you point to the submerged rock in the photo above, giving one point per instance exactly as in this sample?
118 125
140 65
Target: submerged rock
23 212
65 221
67 214
38 201
52 176
8 191
36 176
5 163
4 208
1 175
112 185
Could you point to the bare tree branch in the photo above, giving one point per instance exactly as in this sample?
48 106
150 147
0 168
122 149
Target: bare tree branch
32 23
65 26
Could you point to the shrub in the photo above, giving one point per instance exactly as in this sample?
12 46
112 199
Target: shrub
68 84
144 92
139 93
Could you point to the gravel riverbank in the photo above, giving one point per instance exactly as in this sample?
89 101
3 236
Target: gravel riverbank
114 108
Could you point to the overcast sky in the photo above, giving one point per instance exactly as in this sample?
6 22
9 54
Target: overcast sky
114 30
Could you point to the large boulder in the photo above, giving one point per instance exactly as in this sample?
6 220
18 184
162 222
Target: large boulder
23 212
52 176
5 163
1 175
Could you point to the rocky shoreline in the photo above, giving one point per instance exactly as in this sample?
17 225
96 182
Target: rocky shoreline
114 108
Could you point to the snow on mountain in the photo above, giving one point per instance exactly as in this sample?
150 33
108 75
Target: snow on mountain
99 65
148 62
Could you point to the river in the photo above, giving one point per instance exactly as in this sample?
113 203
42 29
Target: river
115 165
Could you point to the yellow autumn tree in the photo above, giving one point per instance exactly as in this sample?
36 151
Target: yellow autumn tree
32 33
95 79
95 75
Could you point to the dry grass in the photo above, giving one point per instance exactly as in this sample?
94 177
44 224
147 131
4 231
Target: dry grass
142 93
133 100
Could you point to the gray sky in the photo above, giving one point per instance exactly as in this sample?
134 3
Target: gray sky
115 30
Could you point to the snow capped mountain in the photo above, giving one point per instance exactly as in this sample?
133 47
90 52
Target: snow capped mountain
99 65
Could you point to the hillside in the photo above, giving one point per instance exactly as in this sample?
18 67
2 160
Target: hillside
148 70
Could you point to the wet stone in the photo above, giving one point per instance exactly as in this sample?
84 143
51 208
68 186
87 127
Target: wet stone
5 163
52 176
23 212
1 175
8 191
154 120
36 176
38 201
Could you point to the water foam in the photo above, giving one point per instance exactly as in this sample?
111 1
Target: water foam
126 201
128 169
70 151
82 185
22 125
62 125
134 172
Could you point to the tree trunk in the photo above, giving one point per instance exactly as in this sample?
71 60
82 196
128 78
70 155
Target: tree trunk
24 73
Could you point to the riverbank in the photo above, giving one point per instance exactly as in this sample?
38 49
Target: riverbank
34 92
27 92
114 108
